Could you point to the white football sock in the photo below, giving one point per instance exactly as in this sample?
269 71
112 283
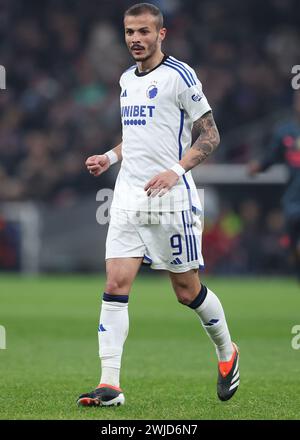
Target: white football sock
112 333
213 320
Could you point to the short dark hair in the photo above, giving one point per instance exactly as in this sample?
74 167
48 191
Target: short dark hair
142 8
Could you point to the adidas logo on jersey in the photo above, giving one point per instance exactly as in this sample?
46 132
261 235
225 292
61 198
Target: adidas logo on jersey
176 261
124 94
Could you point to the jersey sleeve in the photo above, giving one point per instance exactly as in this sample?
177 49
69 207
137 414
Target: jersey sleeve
191 97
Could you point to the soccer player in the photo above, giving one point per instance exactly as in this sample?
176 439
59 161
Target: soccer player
161 102
285 147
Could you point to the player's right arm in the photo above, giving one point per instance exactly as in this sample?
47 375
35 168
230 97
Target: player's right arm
100 163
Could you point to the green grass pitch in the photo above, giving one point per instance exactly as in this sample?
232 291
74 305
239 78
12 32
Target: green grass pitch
169 366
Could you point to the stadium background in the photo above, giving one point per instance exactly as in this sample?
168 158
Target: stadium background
63 60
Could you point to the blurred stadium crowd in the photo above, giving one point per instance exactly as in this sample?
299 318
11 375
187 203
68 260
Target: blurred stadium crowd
63 61
246 240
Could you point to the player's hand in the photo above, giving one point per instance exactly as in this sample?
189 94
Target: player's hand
253 168
161 184
97 164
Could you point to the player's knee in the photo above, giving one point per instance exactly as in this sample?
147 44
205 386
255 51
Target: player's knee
184 296
117 285
184 300
185 291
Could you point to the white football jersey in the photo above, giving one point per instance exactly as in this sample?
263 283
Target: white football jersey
158 109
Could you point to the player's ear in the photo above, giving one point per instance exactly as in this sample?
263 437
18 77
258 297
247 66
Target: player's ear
162 34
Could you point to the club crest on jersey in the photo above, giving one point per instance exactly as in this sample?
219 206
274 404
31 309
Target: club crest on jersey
152 91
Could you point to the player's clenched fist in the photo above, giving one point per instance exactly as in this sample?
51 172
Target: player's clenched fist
97 164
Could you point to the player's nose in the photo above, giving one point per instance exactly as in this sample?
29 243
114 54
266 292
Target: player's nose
135 38
135 42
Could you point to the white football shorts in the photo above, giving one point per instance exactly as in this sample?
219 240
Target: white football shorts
166 240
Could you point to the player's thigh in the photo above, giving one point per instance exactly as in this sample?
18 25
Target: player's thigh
120 274
186 285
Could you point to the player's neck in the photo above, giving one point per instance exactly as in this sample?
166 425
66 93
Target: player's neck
149 64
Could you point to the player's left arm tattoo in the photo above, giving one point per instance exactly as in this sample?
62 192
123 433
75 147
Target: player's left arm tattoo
208 136
207 140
